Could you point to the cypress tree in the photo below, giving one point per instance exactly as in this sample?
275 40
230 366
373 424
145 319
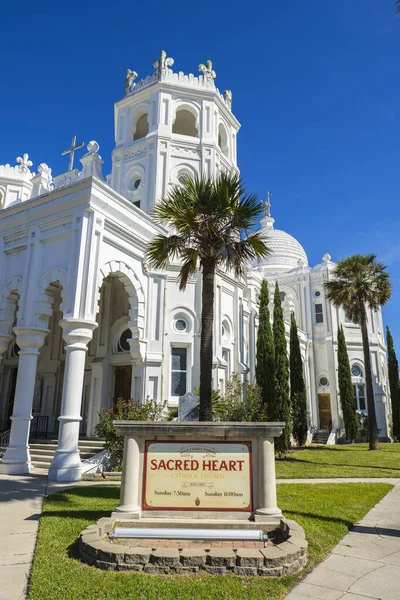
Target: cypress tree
346 388
281 410
265 369
298 395
393 368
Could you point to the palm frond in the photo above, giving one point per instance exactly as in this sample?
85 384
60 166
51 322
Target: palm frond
211 219
190 259
359 281
164 248
238 254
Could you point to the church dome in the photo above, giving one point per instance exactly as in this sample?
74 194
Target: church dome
286 253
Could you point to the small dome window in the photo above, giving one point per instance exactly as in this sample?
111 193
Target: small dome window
137 183
283 296
317 293
323 381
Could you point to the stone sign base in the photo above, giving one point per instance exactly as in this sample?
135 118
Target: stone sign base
286 553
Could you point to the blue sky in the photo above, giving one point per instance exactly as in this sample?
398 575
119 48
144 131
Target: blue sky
315 86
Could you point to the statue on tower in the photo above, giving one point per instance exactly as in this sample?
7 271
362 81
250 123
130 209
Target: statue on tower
129 81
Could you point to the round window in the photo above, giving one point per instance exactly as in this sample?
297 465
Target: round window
356 371
180 325
282 295
123 343
136 183
323 382
317 293
182 179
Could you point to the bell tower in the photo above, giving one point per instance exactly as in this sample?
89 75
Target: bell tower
167 126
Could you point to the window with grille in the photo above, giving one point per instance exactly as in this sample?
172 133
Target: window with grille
178 371
359 397
319 315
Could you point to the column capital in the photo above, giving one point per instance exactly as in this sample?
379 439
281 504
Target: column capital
30 338
77 333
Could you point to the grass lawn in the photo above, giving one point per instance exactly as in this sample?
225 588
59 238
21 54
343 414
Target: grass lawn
340 461
325 511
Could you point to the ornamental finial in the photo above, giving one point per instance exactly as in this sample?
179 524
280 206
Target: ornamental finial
267 205
207 70
24 163
129 81
228 98
163 63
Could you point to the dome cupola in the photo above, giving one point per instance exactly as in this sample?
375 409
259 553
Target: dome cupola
286 253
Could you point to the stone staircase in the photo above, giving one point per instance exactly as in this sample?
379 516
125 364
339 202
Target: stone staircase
42 451
320 436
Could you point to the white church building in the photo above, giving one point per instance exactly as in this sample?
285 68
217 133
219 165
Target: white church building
84 319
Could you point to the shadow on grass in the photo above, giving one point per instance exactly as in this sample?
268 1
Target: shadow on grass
89 515
298 513
73 551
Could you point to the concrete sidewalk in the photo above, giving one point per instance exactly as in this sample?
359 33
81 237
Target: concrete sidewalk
21 501
366 562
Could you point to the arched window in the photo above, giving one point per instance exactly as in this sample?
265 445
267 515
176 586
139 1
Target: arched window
182 176
185 123
357 374
142 128
223 140
123 342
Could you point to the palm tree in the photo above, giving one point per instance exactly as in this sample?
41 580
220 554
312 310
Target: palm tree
210 221
359 281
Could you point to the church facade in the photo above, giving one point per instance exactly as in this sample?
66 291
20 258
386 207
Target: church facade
84 320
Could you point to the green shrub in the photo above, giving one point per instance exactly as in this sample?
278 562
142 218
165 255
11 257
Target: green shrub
124 410
240 402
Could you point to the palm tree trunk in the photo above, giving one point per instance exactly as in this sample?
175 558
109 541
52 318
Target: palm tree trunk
206 342
372 426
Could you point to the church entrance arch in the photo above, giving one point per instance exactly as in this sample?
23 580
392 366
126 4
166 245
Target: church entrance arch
117 363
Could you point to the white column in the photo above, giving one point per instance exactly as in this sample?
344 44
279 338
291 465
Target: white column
95 396
16 459
267 486
66 464
129 496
